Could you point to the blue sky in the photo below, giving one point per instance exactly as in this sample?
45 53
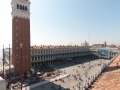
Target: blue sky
64 22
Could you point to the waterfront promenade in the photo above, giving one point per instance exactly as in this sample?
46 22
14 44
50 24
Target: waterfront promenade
110 78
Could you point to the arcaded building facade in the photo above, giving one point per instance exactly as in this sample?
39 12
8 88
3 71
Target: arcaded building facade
21 34
48 55
111 52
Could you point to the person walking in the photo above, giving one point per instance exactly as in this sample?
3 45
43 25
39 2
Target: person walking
117 64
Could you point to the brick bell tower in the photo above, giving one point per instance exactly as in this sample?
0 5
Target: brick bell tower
21 34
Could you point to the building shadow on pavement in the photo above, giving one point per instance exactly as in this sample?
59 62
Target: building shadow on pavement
111 68
50 86
76 61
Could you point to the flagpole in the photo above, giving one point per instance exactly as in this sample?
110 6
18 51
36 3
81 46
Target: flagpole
21 64
89 40
9 67
3 61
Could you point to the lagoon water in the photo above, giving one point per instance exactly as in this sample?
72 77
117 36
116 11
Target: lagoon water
0 54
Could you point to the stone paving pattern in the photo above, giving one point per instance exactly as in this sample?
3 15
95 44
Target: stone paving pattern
110 78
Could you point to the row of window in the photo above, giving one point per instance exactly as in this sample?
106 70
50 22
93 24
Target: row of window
95 50
54 51
108 52
113 53
35 58
96 53
22 7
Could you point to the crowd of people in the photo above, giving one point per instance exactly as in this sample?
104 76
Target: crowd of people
86 68
80 73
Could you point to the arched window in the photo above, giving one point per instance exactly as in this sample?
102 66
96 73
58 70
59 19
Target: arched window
17 6
25 8
21 7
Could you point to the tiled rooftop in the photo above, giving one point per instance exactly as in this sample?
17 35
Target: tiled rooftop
110 78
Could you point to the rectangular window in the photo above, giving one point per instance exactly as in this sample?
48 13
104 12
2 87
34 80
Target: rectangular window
16 27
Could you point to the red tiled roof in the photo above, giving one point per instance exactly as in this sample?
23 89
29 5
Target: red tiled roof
57 46
97 44
112 46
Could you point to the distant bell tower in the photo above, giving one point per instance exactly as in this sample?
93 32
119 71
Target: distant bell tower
21 34
105 44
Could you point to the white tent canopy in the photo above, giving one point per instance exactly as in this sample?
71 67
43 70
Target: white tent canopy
2 84
6 69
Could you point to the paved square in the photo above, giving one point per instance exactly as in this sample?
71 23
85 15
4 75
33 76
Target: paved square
80 70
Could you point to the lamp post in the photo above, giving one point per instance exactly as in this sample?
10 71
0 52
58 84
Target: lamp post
9 67
3 61
21 64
